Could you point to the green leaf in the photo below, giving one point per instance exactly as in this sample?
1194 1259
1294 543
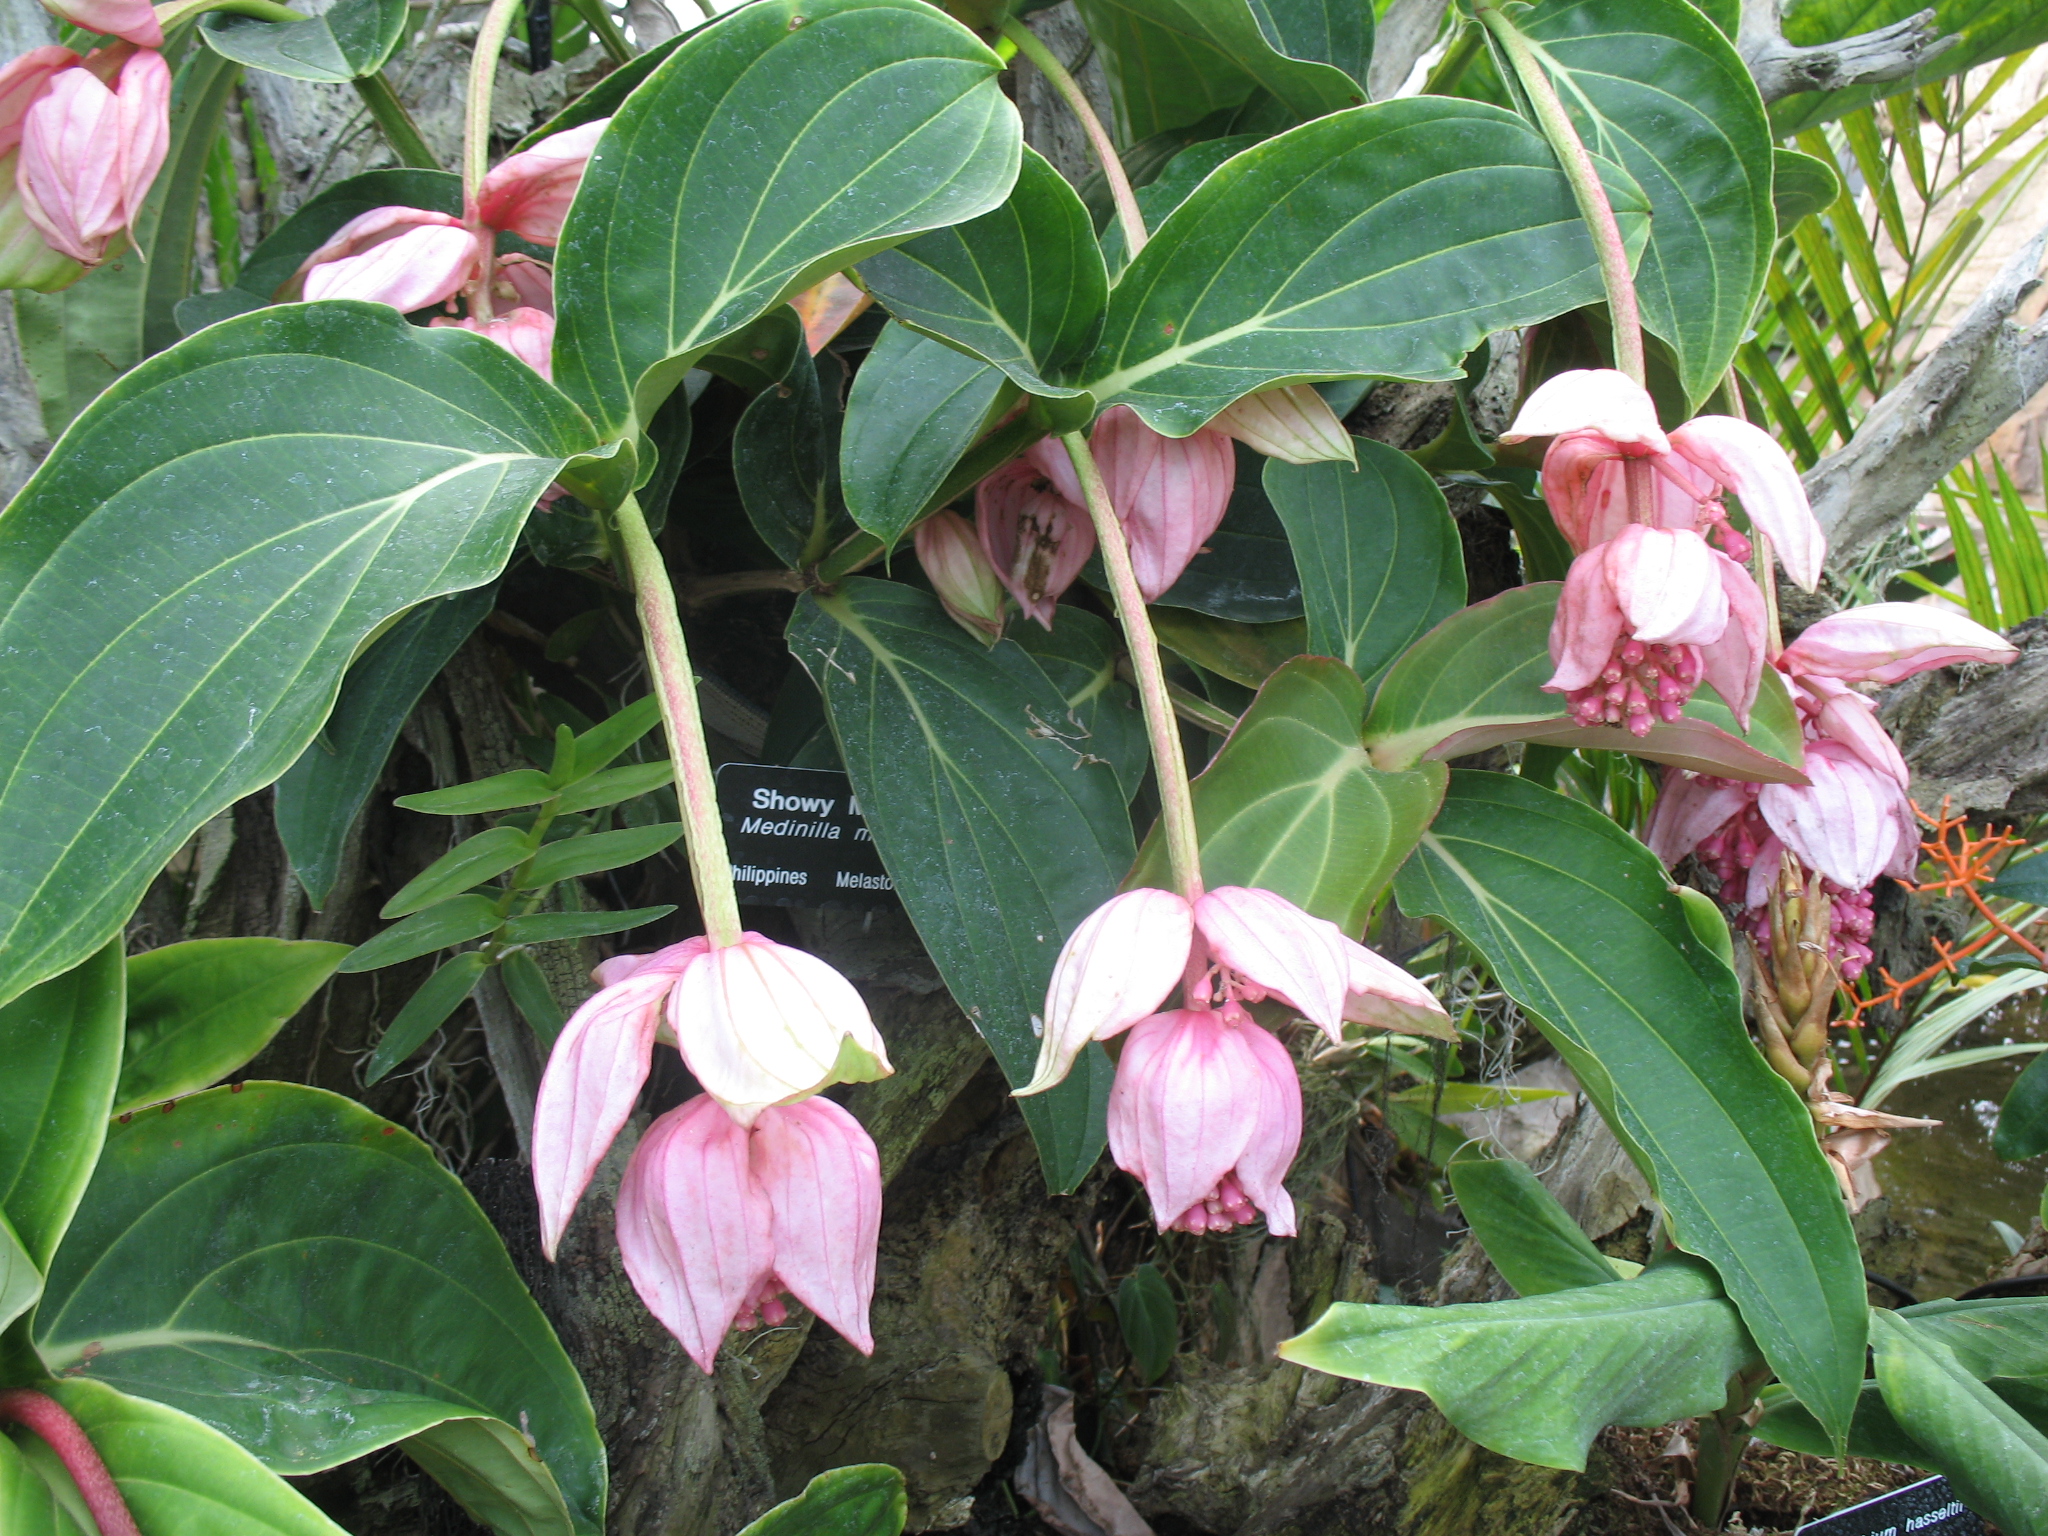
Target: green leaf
27 1506
425 1011
320 795
1873 1432
596 747
1310 257
440 926
547 927
1291 802
1181 175
1379 555
62 1045
1655 87
2022 1129
865 121
1246 654
1988 29
1994 1458
351 39
21 1282
2026 880
865 1500
178 1476
1021 287
1148 1320
1000 838
1538 1378
1801 185
1160 77
785 456
159 666
78 342
1476 680
614 785
1532 1241
528 988
470 862
1575 919
916 406
1102 722
499 792
199 1010
574 856
372 1304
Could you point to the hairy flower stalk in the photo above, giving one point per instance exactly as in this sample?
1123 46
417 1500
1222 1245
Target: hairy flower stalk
47 1417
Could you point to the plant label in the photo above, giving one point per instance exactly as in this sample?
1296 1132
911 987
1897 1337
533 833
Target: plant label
1926 1508
797 839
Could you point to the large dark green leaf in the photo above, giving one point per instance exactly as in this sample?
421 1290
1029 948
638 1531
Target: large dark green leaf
2022 1130
320 795
1385 240
307 1279
1655 87
350 39
1021 287
157 664
1531 1239
999 834
199 1010
785 456
1078 655
1989 29
61 1042
1575 919
1539 1377
915 407
783 142
1379 556
1160 77
1291 802
867 1500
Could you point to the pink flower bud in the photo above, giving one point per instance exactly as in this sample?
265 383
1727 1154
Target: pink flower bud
829 307
822 1179
1206 1113
1585 484
1280 949
408 258
21 82
1597 400
1886 642
529 193
760 1023
26 260
1116 968
1746 460
951 554
89 153
528 334
132 21
1294 424
1035 538
1169 492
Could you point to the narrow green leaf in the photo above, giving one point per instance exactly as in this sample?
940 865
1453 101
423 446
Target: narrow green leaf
1310 257
1873 1432
614 785
1987 31
351 39
916 406
1995 1459
1538 1378
440 926
546 927
199 1010
372 1304
1291 802
603 742
1000 837
500 792
1148 1320
424 1012
470 862
1380 558
785 456
866 1500
527 986
574 856
2024 880
1530 1238
1021 287
1576 921
62 1045
865 121
320 795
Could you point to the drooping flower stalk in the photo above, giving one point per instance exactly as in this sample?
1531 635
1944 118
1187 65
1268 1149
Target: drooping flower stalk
61 1432
483 76
1070 91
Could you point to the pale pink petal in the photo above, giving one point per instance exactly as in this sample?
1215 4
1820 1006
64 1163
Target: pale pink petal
1746 460
529 193
1763 873
1588 626
422 265
672 959
1585 484
1035 538
132 21
1184 1107
524 283
1590 400
1734 663
828 308
24 79
527 334
1050 458
1841 714
1170 493
694 1228
73 170
949 550
1116 968
1689 810
1668 585
1846 825
144 94
823 1181
1885 642
1280 948
1380 994
1276 1137
1292 423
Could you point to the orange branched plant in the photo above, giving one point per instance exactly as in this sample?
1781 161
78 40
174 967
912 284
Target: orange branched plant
1965 861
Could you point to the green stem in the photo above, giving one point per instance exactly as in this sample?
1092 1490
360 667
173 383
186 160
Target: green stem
675 685
1720 1439
609 37
483 77
395 123
1127 213
1579 170
1176 798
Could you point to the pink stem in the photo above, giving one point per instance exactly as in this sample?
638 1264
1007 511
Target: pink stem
61 1432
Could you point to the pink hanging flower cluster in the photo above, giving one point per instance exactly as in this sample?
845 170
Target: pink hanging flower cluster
753 1188
415 258
1206 1108
1657 600
81 140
